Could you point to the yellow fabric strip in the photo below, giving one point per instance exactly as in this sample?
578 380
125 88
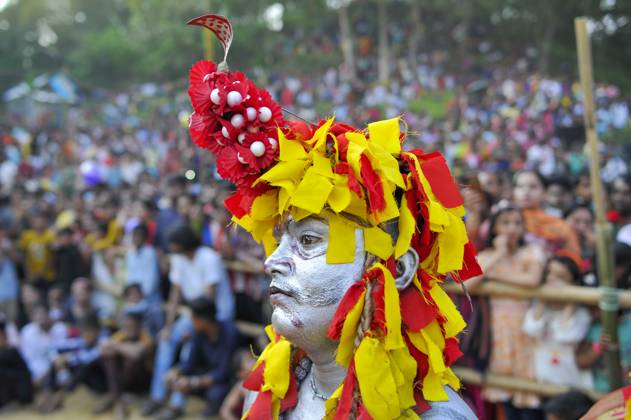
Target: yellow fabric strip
406 365
312 193
378 242
322 164
290 150
331 404
386 134
455 323
451 244
377 386
435 343
340 197
265 206
283 172
322 132
394 339
407 226
341 248
276 371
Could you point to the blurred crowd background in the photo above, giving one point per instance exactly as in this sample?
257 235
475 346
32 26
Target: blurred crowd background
120 271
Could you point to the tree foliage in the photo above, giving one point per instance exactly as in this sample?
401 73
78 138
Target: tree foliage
112 43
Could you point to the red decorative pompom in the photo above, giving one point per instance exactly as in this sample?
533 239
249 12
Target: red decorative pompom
201 128
201 72
259 150
230 165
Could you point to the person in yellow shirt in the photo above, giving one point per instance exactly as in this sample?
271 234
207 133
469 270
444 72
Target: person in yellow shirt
35 244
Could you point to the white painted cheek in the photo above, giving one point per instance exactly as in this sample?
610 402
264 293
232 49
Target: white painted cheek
323 283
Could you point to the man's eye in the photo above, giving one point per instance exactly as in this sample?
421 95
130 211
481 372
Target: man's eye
307 240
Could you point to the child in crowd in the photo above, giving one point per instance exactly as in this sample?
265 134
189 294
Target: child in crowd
569 406
76 361
15 378
151 312
232 406
127 362
559 328
37 339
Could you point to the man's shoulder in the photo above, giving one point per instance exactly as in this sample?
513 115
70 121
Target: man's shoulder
455 408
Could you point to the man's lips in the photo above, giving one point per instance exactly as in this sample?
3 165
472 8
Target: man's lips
275 290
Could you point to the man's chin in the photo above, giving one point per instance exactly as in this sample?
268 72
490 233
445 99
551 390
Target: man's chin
285 323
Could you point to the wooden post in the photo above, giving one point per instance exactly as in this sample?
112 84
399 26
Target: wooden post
609 299
208 38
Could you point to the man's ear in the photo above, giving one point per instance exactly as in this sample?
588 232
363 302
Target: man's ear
407 264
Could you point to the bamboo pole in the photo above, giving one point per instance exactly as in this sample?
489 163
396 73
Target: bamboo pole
608 302
472 376
207 38
574 294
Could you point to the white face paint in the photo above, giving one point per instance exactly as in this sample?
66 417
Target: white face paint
305 291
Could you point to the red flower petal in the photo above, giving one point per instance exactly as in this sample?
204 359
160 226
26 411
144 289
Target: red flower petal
228 165
201 72
201 127
258 163
200 97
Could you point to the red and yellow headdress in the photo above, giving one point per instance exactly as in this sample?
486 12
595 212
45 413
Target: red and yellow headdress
397 346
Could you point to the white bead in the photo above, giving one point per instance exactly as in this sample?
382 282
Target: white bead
240 158
253 129
225 132
241 138
234 98
214 96
237 120
257 148
265 114
272 143
251 113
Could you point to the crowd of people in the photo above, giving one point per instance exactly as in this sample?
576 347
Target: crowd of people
117 261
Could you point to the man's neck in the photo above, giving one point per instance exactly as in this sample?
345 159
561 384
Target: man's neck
327 374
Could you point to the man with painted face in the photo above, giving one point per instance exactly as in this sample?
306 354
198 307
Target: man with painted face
360 235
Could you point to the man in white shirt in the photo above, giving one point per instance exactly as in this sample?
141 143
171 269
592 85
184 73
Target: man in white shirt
196 271
37 339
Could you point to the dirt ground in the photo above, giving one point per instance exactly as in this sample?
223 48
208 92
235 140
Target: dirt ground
78 406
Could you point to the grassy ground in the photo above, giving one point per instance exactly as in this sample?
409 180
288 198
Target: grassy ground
78 406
